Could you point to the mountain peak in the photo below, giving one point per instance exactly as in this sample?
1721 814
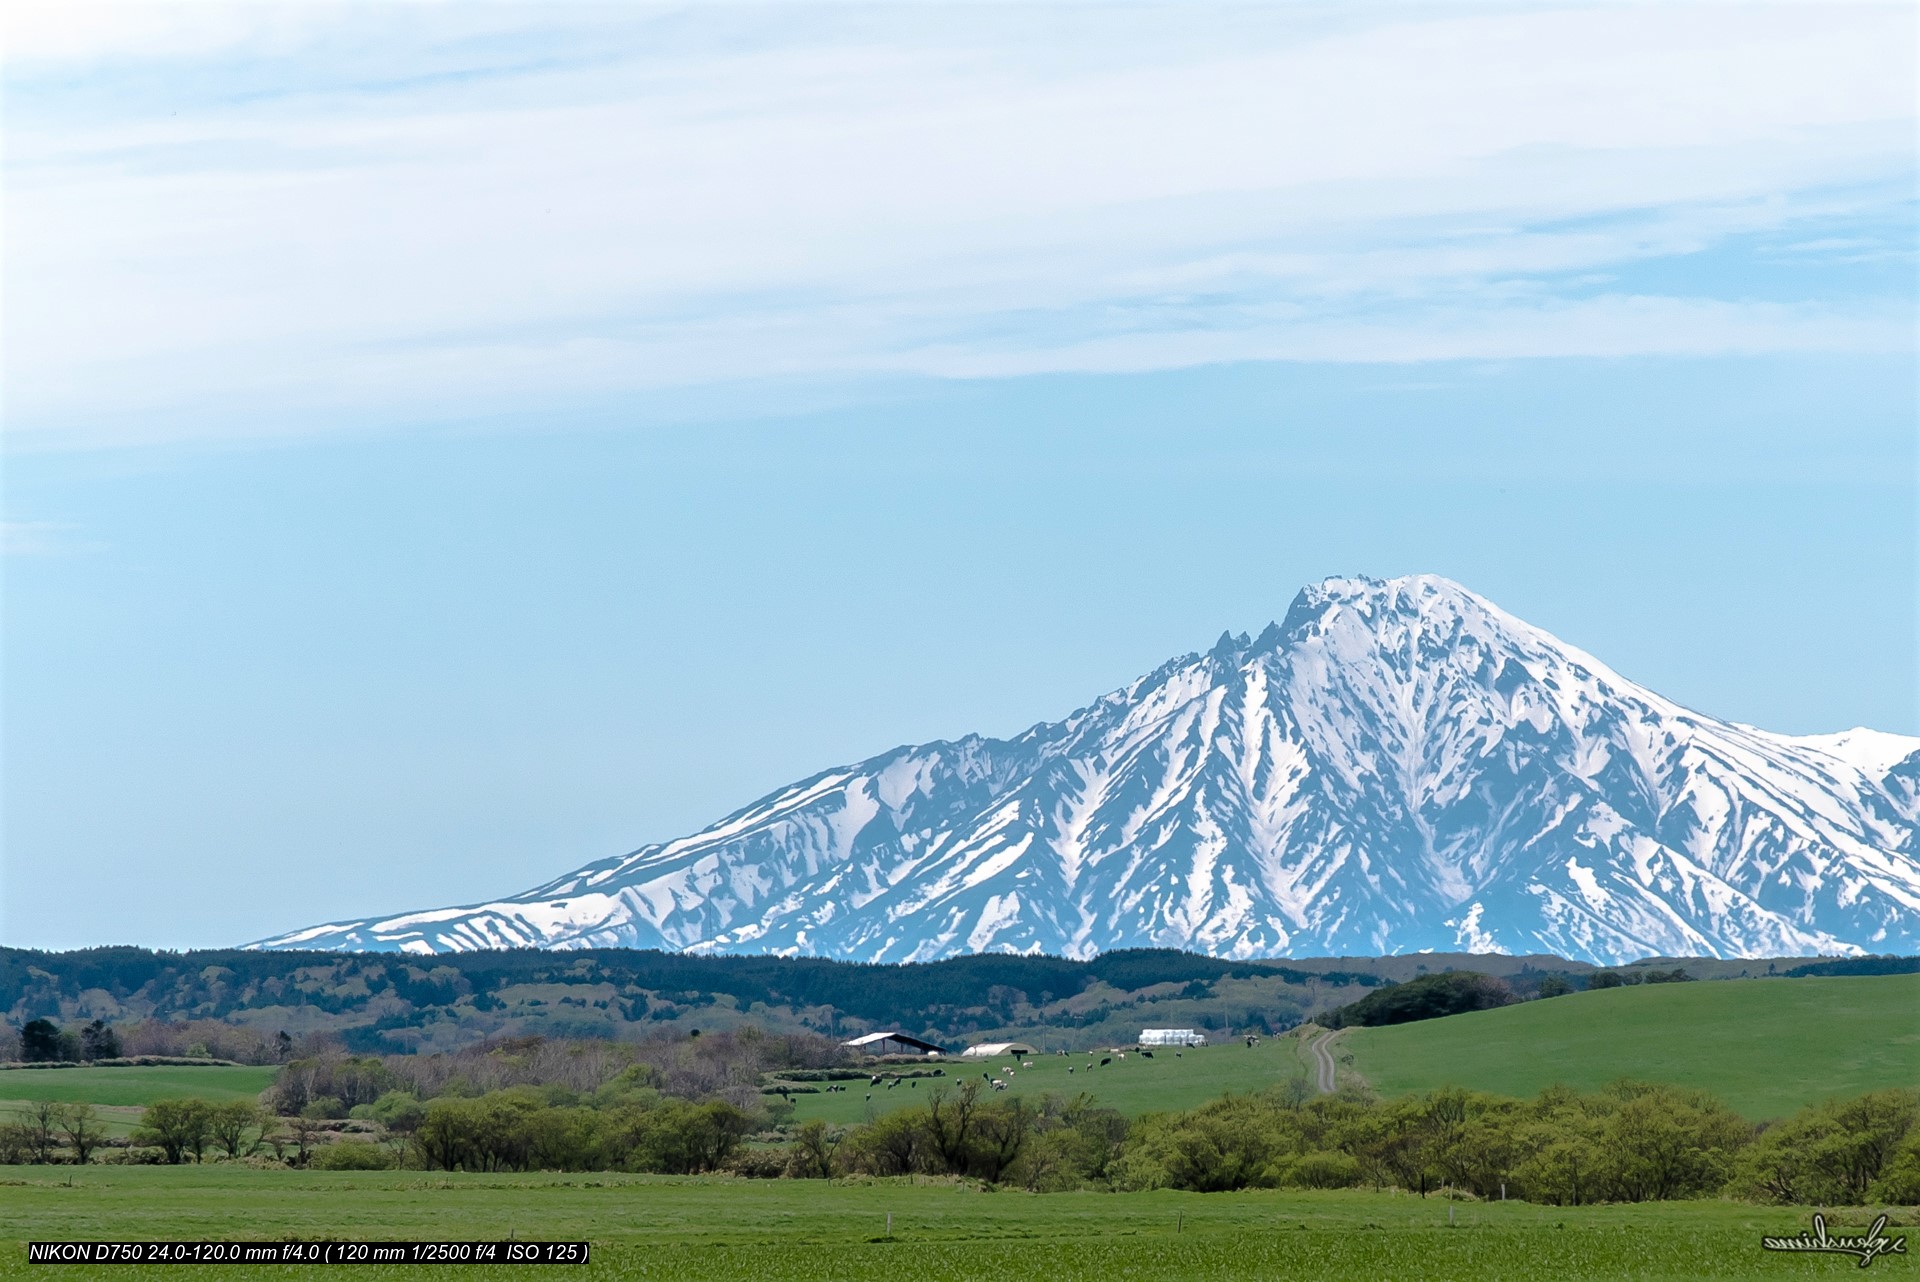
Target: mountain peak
1398 765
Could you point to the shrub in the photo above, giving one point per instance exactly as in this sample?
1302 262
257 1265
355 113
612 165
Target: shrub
758 1163
1834 1153
1899 1182
1320 1171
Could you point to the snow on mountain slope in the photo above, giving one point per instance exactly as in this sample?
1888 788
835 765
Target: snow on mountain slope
1395 766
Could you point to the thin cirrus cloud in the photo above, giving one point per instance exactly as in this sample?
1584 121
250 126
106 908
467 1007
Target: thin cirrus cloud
237 224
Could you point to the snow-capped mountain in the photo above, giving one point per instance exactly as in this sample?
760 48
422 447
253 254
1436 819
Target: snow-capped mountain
1395 766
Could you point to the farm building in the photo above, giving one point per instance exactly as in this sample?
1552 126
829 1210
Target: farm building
1172 1037
892 1044
987 1050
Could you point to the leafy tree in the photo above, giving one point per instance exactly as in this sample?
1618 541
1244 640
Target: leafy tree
1663 1142
1000 1133
810 1156
84 1130
1555 986
1832 1153
98 1041
237 1126
896 1144
40 1041
305 1133
16 1143
41 1123
1899 1182
177 1127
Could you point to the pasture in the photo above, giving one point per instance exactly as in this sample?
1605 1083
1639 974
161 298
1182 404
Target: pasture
1133 1084
121 1093
1764 1047
669 1229
136 1084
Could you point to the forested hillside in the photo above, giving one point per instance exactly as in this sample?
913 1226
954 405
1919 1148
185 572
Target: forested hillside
386 1002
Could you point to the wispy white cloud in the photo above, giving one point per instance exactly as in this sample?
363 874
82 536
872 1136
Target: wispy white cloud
430 211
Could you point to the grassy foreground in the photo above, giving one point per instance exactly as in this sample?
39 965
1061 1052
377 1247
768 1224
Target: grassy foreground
1764 1047
715 1228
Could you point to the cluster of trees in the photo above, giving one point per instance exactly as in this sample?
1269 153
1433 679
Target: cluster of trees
1055 1144
728 1065
183 1128
1632 1142
50 1131
624 1125
1429 997
518 1130
1454 992
1626 978
42 1041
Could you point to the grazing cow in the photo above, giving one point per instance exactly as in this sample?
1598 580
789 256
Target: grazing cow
1146 1054
1178 1055
1104 1061
1069 1068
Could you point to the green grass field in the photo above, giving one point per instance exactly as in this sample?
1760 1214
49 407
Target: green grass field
722 1229
1133 1085
135 1085
121 1093
1764 1047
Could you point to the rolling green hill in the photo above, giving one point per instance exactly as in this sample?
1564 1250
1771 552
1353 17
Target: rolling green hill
1765 1047
1134 1085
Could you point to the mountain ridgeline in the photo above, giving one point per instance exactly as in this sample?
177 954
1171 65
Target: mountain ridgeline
1394 767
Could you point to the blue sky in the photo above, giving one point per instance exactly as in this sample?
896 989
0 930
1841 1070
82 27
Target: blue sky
448 444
